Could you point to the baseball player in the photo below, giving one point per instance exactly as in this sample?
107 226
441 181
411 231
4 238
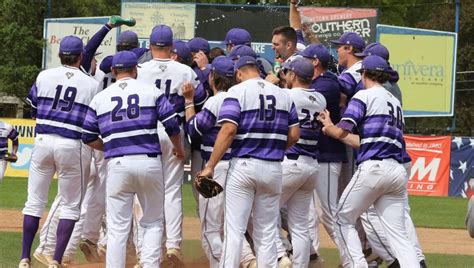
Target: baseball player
169 76
59 99
211 211
125 115
331 153
300 167
380 178
470 216
260 122
7 132
370 220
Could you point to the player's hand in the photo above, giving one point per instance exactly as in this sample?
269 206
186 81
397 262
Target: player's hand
201 60
206 172
325 118
272 79
188 91
179 153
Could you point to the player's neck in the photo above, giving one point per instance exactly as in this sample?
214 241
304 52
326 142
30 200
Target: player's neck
318 71
371 84
249 75
352 60
161 54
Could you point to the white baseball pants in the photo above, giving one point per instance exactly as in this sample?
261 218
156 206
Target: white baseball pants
127 176
53 153
95 204
173 173
470 217
383 184
3 167
211 213
253 185
299 181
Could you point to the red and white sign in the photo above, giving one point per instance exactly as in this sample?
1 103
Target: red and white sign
430 165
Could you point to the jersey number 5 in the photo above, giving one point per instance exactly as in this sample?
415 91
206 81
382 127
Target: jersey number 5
133 110
67 101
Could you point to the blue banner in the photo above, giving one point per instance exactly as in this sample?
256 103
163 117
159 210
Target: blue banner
462 166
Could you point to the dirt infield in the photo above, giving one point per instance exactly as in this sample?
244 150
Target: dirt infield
442 241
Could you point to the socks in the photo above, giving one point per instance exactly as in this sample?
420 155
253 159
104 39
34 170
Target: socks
63 234
30 227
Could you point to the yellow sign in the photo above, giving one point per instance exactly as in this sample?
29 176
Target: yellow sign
26 138
180 17
425 61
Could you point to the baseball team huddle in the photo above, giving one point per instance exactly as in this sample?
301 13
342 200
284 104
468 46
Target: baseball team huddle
305 143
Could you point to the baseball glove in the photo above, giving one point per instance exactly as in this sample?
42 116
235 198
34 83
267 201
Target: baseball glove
207 186
10 157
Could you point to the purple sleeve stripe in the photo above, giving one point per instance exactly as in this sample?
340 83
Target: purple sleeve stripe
293 120
201 95
223 120
230 110
87 137
13 135
92 46
346 124
32 96
164 109
348 84
205 120
299 37
191 129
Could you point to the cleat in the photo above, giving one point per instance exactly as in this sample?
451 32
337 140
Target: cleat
90 251
42 258
117 21
285 262
55 264
176 258
24 263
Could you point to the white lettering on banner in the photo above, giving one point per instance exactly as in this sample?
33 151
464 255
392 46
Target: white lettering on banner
362 27
422 170
259 49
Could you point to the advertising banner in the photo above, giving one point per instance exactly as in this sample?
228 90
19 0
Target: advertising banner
84 28
180 17
26 131
461 179
426 63
330 23
430 159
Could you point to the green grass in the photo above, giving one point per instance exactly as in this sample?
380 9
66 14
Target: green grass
438 212
13 192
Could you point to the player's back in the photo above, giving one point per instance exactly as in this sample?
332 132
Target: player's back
127 113
61 96
381 131
264 119
308 104
168 76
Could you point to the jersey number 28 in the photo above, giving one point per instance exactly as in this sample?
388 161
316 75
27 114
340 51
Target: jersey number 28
133 110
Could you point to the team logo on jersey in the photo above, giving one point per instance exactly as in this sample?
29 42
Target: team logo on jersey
312 98
261 84
123 85
162 67
69 75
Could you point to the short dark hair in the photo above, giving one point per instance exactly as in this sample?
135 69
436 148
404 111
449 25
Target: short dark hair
221 82
252 67
378 76
287 32
69 59
215 52
126 47
123 70
304 81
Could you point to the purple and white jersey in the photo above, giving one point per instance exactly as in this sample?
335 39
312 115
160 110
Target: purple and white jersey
125 115
378 116
6 132
350 80
204 125
169 76
59 98
263 114
308 103
107 80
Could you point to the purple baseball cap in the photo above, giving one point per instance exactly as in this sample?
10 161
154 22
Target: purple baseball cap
106 64
199 43
127 38
161 36
71 45
181 49
223 65
350 38
316 51
374 63
238 36
301 67
375 49
240 51
244 61
124 59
